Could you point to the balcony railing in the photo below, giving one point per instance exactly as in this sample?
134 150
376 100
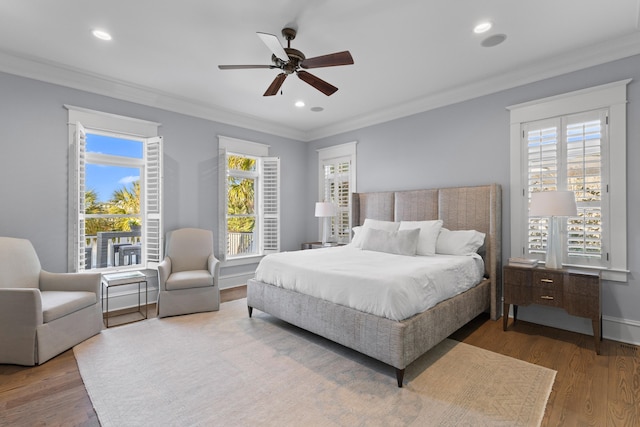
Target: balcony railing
113 249
240 243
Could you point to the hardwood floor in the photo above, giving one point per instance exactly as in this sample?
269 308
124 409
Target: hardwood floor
589 390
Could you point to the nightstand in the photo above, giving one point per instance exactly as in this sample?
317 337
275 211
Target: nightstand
318 245
576 291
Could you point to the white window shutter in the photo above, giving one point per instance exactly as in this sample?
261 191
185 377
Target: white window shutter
270 204
586 136
77 242
222 204
153 235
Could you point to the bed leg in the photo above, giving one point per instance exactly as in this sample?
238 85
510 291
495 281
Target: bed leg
399 376
250 310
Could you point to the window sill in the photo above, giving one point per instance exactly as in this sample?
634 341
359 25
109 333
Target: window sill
244 260
611 274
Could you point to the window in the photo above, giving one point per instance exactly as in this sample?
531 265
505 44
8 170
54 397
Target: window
571 142
337 167
250 199
114 192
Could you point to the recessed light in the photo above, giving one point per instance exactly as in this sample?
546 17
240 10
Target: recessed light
317 109
482 27
299 104
102 35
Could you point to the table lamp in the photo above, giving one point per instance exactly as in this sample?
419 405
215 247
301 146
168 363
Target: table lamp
325 210
553 204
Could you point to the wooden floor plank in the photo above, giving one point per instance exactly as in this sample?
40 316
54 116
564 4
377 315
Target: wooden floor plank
589 390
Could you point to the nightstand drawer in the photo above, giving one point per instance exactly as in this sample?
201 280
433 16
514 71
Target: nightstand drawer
547 279
547 295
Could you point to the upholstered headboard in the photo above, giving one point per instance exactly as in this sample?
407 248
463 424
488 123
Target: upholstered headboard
460 208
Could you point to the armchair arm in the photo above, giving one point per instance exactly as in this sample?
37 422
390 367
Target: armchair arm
164 270
20 310
87 282
214 268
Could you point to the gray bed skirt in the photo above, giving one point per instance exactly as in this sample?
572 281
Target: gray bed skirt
397 343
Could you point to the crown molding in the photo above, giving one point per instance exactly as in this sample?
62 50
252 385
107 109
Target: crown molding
55 73
552 67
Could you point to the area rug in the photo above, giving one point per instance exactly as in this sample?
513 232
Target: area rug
226 369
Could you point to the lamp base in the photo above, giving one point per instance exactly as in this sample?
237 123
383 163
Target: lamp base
554 254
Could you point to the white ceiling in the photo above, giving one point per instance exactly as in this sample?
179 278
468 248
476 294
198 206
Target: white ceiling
410 55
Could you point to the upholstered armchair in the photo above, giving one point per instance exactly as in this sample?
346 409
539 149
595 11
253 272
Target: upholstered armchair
188 275
42 314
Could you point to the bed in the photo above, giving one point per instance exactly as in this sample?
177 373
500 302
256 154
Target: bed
400 342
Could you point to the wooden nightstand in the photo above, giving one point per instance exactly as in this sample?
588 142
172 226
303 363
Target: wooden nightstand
576 291
318 245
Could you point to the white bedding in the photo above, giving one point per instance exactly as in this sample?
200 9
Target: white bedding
392 286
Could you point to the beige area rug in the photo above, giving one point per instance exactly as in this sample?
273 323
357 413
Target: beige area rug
225 369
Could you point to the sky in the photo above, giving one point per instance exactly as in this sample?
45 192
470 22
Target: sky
106 179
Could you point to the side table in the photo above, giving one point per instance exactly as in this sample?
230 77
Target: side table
119 279
318 245
578 292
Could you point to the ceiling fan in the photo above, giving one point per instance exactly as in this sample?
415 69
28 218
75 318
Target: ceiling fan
291 61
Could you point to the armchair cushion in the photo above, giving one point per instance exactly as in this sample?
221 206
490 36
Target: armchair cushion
57 304
189 279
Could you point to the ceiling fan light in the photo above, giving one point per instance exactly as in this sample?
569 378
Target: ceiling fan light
482 27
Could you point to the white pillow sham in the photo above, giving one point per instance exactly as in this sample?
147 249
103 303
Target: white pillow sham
429 231
459 242
401 242
375 224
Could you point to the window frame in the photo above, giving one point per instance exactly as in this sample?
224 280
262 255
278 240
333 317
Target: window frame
83 121
332 156
267 178
611 96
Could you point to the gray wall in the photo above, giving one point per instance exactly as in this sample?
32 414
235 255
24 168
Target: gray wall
33 166
468 143
462 144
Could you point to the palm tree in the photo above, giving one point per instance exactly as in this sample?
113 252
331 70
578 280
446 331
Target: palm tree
125 201
93 206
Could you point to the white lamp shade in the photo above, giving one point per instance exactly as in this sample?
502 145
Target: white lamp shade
325 209
553 203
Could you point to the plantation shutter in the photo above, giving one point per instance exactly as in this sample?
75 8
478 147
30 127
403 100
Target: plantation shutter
153 235
337 180
77 241
542 143
270 204
566 153
223 203
585 136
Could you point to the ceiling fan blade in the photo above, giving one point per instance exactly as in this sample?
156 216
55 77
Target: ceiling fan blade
330 60
275 85
243 67
274 45
318 83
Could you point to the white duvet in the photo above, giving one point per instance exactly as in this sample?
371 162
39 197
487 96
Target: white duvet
392 286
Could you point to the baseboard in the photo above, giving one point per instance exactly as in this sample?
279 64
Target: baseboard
623 330
233 280
128 298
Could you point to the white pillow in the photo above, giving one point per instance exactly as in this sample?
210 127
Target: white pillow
429 231
401 242
459 242
372 223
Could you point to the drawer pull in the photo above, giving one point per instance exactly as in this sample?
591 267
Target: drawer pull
546 280
548 297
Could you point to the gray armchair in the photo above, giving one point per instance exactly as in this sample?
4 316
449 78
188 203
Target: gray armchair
42 314
188 275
